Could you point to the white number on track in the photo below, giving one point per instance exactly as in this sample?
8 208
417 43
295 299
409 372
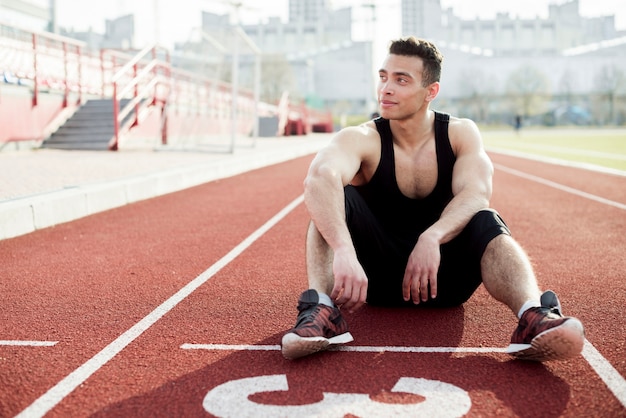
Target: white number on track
231 399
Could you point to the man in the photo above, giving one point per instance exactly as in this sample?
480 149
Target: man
400 216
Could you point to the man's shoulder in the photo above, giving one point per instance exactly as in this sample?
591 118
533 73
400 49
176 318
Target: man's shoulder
462 127
362 134
366 129
464 135
461 123
362 141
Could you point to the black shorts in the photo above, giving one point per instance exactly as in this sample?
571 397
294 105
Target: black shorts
384 257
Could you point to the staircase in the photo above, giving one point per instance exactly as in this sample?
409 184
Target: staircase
90 128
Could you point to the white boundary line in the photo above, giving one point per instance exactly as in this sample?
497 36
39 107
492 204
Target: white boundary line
391 349
557 161
564 150
54 395
230 347
560 187
609 375
349 348
21 343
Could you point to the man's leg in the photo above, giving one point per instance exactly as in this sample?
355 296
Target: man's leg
319 324
543 332
507 273
319 261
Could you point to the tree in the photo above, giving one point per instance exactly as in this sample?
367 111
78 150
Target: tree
276 77
476 91
528 90
610 82
566 87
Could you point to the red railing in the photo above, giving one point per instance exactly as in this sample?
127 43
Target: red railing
48 61
145 82
148 82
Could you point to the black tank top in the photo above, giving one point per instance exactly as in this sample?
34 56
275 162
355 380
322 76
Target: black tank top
405 217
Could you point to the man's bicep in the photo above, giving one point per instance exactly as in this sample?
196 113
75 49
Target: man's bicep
473 170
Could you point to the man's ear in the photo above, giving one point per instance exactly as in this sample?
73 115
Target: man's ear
433 91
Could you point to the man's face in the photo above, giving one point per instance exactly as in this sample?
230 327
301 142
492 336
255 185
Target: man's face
400 90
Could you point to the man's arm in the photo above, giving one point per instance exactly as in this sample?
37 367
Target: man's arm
333 168
471 187
471 181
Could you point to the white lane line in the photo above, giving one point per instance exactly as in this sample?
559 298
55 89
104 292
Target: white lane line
558 161
54 395
392 349
609 375
565 150
349 348
230 347
22 343
561 187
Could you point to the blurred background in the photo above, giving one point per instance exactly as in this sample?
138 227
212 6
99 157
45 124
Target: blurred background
544 62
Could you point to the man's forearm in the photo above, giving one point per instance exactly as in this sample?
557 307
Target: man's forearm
455 217
325 201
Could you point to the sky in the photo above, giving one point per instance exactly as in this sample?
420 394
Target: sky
170 21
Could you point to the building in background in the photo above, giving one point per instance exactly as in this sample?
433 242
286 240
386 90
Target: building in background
549 71
119 34
327 67
494 69
30 14
40 15
312 56
564 28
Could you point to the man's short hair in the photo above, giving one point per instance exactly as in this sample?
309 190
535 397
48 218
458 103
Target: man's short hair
427 51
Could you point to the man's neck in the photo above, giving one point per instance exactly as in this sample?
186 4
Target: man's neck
413 131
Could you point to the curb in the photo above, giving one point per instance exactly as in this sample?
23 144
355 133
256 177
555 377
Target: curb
25 215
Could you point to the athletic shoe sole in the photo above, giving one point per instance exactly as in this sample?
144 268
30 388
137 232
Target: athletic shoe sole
558 343
295 346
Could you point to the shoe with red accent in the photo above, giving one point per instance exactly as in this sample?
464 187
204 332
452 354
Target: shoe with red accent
318 327
545 334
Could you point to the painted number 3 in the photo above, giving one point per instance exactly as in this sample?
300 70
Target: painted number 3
231 399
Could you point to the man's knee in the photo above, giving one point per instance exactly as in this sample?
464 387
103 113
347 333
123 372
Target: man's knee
486 225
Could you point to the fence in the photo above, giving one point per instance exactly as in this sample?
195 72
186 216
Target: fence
45 62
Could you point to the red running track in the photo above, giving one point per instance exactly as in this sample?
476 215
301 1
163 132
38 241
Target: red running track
175 306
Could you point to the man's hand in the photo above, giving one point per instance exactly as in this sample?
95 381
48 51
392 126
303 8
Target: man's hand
421 270
350 289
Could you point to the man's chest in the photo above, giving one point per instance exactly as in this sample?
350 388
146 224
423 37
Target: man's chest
416 172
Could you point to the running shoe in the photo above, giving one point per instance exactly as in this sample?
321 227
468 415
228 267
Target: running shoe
545 334
318 327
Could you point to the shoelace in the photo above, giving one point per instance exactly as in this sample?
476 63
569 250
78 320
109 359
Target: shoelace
306 315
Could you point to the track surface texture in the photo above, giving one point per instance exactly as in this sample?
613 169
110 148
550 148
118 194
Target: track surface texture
175 306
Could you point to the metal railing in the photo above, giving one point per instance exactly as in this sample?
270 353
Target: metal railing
44 60
144 82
